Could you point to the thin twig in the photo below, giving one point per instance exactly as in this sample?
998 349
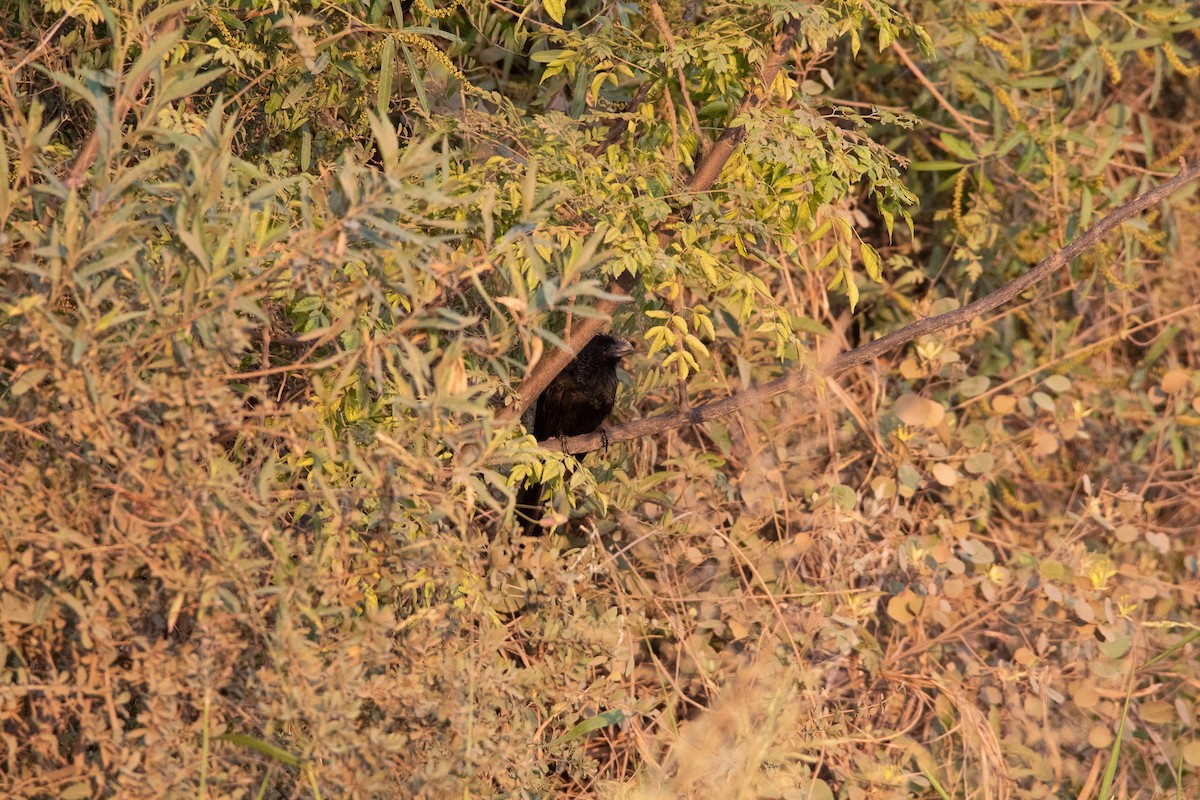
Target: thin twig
660 22
974 136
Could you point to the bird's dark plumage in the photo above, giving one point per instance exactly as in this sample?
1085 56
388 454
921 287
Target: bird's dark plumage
577 401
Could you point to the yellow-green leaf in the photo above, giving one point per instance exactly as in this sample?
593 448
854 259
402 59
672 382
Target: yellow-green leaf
556 9
871 262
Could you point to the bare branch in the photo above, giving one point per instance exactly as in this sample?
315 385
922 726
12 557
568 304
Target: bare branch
797 379
664 29
962 121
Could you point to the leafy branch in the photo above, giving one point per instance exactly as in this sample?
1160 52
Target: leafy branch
799 378
706 174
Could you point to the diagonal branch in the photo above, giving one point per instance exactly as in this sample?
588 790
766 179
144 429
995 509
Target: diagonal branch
714 160
702 180
799 378
962 121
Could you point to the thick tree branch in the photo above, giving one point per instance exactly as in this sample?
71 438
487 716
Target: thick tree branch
702 180
800 378
714 160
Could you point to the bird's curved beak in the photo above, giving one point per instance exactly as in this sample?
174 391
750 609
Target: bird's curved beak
622 347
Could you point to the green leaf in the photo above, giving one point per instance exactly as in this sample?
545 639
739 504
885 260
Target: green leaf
887 35
547 56
592 723
974 386
1038 82
934 166
152 57
189 85
387 57
415 71
263 748
843 497
385 137
889 219
957 147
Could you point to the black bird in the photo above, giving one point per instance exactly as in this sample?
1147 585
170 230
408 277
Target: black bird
577 401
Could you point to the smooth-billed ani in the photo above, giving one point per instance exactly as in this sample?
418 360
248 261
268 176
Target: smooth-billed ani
577 401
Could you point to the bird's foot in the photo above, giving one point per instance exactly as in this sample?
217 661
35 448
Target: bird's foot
563 439
604 438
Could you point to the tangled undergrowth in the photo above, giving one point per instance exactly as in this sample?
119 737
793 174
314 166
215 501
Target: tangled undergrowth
257 535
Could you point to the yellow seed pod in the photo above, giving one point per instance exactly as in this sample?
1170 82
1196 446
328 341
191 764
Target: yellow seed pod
436 13
1177 63
1006 101
1110 63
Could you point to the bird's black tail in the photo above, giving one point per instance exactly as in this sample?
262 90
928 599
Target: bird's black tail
530 508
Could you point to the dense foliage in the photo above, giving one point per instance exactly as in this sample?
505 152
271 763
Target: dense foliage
271 272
